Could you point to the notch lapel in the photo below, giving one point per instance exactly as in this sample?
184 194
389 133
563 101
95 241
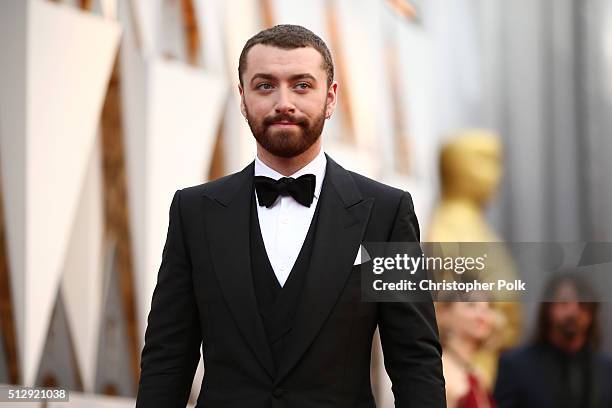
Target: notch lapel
228 223
343 217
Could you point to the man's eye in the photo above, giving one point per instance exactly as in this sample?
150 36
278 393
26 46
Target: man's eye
303 85
265 86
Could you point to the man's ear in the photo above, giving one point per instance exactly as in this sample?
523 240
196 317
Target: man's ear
242 105
332 99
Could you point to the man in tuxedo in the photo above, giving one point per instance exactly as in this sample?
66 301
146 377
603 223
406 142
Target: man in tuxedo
259 267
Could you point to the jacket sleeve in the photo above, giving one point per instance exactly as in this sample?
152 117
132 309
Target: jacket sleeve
409 334
173 338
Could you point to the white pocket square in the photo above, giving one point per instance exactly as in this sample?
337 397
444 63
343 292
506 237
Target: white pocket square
362 256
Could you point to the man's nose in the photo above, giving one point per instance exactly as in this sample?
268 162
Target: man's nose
284 103
570 308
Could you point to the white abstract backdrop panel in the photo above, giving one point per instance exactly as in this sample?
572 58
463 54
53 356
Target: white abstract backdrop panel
361 35
82 279
64 93
241 21
182 109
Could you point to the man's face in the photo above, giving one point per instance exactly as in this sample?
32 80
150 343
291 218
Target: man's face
569 317
285 98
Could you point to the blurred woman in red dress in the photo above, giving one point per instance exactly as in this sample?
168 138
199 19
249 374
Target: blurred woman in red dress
465 327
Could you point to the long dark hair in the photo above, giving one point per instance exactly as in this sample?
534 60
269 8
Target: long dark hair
586 296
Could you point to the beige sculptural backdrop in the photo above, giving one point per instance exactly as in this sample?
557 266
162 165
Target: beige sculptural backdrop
470 173
136 81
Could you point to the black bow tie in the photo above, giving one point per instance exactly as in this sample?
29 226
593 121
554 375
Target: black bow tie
301 189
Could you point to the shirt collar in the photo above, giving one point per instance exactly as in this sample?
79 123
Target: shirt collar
316 167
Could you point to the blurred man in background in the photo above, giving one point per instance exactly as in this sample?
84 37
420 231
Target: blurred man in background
562 368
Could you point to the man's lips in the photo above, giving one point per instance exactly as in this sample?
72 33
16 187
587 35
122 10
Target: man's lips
283 124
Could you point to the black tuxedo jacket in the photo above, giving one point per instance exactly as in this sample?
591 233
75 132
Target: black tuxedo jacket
532 377
204 297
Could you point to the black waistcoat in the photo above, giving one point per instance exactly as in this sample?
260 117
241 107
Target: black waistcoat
278 305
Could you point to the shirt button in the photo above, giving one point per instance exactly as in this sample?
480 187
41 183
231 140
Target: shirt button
278 392
284 220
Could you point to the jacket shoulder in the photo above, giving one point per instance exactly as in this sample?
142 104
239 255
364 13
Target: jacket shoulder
522 355
221 188
387 197
373 188
606 361
205 188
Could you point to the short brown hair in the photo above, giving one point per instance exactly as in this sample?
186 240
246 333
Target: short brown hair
288 37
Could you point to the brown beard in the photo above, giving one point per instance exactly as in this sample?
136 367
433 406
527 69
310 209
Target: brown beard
568 328
287 142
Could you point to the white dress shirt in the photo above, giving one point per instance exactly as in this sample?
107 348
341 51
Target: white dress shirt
285 224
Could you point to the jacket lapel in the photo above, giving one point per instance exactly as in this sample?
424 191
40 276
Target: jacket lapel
227 221
343 217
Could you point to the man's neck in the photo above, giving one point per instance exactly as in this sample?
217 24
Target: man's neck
288 165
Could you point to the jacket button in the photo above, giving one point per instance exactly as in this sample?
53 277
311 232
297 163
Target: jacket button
278 392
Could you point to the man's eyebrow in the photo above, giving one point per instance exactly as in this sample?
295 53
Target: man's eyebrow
291 78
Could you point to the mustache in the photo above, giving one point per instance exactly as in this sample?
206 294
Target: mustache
285 118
